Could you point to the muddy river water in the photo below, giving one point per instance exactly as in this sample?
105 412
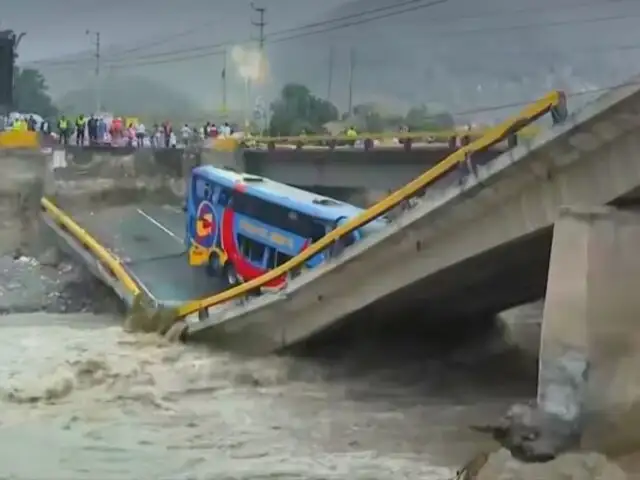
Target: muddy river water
82 399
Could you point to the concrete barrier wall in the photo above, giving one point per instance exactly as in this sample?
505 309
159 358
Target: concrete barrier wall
21 187
100 176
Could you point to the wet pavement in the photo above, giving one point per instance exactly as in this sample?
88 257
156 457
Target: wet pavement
149 241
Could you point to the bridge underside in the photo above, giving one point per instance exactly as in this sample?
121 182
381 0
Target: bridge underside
465 298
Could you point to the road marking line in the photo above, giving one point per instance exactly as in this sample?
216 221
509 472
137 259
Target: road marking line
159 225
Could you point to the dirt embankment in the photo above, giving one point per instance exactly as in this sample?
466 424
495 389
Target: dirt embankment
96 177
33 275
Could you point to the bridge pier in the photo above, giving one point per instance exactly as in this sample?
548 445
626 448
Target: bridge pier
590 343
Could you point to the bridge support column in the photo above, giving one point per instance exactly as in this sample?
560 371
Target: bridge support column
590 345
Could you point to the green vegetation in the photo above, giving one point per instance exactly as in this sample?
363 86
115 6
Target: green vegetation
31 93
298 110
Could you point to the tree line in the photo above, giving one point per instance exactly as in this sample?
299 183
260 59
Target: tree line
298 111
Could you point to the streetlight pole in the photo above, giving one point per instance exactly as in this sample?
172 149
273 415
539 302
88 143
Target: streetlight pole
97 70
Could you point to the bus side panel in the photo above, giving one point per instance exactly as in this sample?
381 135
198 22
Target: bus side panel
244 268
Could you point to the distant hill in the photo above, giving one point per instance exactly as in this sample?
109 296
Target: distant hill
464 54
459 55
133 96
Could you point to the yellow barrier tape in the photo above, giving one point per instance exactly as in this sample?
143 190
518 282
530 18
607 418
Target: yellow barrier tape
529 130
101 252
493 136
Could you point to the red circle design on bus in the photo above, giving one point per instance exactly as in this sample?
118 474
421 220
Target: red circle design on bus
206 225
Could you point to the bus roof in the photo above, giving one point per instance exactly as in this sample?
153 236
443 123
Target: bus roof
317 206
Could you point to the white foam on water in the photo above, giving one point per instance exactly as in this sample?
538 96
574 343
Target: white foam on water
91 402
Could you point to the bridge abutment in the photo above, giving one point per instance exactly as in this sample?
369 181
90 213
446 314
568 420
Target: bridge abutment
590 343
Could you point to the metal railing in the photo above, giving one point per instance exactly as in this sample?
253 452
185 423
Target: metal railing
110 261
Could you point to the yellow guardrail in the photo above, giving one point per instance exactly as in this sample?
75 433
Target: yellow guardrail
495 135
110 260
442 135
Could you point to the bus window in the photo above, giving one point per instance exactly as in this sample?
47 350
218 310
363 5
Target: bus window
280 258
278 216
251 249
275 258
202 189
224 196
317 231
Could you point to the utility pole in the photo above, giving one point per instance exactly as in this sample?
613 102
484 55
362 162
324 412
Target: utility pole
224 83
330 82
352 65
97 71
260 24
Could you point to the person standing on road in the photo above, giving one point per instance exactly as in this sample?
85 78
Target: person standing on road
102 130
81 124
186 134
63 130
141 132
167 131
92 129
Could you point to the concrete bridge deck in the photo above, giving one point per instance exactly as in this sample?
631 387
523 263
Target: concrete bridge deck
148 241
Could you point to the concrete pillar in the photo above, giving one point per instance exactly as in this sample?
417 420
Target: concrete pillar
590 343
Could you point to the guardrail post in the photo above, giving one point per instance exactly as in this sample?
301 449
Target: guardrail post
299 145
512 140
332 143
560 112
408 142
465 140
453 142
271 145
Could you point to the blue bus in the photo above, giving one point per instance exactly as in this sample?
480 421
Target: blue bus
240 226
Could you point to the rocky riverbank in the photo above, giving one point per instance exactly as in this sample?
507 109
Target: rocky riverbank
50 284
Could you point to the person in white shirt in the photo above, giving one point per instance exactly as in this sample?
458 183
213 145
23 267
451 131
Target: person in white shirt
141 132
173 141
185 133
225 130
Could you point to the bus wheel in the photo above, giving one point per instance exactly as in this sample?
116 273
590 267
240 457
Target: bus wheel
230 275
213 265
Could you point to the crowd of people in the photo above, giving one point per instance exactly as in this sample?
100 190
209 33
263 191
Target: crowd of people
115 131
97 130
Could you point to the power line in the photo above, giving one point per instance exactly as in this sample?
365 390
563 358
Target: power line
165 57
440 22
285 31
590 91
186 54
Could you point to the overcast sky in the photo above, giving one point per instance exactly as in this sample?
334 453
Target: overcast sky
462 53
58 27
